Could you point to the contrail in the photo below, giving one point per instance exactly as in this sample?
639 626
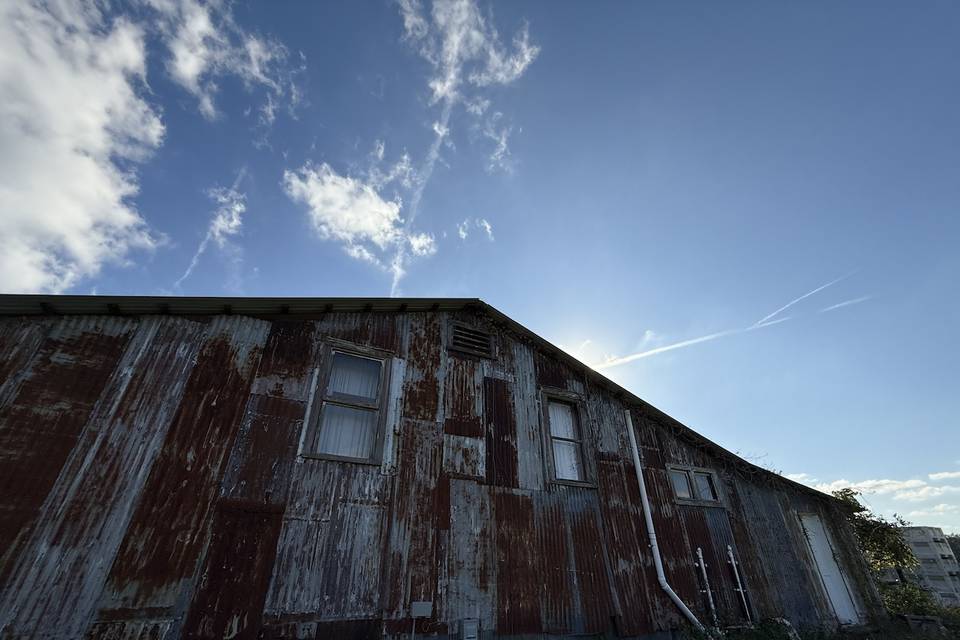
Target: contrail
767 321
804 296
202 247
670 347
615 362
423 177
845 303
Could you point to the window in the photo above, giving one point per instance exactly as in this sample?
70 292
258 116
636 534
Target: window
694 484
681 484
349 418
705 488
566 442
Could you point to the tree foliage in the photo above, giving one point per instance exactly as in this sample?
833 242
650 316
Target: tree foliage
954 541
879 538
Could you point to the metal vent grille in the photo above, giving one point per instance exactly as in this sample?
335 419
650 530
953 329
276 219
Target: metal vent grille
473 341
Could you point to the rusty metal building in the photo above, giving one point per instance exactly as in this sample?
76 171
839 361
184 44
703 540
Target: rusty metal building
368 468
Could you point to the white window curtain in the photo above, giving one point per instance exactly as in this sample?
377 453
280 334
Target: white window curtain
354 376
562 421
347 431
566 459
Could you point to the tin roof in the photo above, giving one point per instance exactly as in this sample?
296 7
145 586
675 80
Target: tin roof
37 304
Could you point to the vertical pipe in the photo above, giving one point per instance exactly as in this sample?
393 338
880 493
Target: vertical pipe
736 574
706 585
652 534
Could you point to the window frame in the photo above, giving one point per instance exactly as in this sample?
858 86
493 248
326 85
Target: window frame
697 498
321 398
575 401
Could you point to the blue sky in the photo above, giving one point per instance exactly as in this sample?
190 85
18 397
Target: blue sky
655 186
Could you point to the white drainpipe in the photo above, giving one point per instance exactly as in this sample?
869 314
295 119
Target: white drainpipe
652 534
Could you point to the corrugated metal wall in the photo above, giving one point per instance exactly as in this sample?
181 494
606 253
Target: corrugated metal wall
150 487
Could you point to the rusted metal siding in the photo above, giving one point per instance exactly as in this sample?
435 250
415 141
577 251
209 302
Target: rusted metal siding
152 486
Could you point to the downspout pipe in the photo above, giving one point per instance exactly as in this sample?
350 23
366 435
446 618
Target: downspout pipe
651 532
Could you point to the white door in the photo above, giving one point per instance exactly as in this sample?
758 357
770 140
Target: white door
833 581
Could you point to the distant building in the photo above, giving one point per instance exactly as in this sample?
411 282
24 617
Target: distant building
938 571
360 468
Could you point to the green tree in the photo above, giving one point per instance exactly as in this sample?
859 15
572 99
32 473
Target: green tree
879 538
884 547
954 540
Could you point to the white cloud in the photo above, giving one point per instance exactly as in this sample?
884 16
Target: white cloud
463 229
880 487
344 208
463 49
422 244
804 478
205 44
226 222
912 490
73 123
354 211
500 158
944 475
934 511
926 493
487 228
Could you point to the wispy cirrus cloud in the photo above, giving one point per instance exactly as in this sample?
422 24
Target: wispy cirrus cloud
466 53
206 44
945 475
482 224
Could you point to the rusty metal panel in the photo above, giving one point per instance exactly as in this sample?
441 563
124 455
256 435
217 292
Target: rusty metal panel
576 596
363 629
411 555
19 342
464 457
228 601
168 533
518 563
288 358
526 410
385 331
554 547
61 570
43 420
463 395
328 555
590 563
632 574
424 371
230 597
784 568
501 431
471 576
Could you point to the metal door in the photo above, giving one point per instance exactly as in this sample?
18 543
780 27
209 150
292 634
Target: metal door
833 580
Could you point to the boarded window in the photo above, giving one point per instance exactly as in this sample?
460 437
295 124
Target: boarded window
349 422
565 441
